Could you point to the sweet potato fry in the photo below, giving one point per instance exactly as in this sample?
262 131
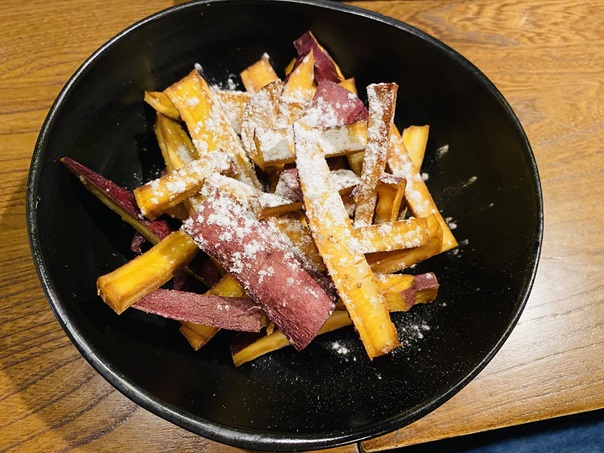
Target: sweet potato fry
288 185
257 256
176 146
403 291
325 67
246 348
153 198
334 238
199 334
290 66
398 235
355 162
281 104
208 125
395 287
147 272
195 339
232 313
260 111
258 75
417 196
119 200
415 139
177 150
390 194
299 85
350 85
162 104
333 105
288 195
275 146
389 262
233 103
122 202
427 288
295 228
382 102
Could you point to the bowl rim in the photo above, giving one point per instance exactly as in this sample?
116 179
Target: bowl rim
226 434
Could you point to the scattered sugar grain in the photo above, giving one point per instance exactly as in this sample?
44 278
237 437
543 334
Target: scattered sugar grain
450 223
193 101
440 152
470 181
339 348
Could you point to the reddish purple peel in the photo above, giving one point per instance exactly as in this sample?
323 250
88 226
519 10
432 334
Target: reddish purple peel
427 287
288 185
426 281
137 242
409 296
424 289
119 200
243 340
258 258
122 202
333 105
231 313
184 281
298 62
203 266
325 67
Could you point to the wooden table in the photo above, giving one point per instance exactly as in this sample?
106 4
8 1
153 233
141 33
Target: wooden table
547 57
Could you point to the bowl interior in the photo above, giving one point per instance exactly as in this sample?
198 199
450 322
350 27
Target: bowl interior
486 183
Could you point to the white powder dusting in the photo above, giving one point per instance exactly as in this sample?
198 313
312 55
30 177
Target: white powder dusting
470 181
440 152
193 101
339 348
451 223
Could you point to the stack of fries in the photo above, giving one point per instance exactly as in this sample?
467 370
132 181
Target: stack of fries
299 206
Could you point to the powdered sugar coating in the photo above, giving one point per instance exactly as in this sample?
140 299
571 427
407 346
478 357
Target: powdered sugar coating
332 231
259 258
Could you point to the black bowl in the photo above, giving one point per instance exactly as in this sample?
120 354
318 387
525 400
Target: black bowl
487 183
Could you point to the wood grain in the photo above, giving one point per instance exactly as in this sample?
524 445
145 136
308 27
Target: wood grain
547 59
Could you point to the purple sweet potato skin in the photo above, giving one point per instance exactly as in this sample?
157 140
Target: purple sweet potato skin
232 313
427 287
333 101
325 68
426 281
424 289
255 254
409 296
109 192
114 195
243 340
288 186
